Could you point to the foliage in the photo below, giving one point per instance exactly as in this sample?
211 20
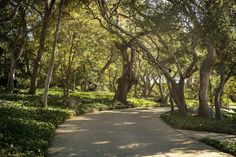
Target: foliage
199 124
141 102
227 145
25 127
100 101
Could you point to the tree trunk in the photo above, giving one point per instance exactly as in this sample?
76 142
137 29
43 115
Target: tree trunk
69 73
161 91
172 108
37 60
111 59
11 75
16 53
177 93
219 92
205 72
124 85
51 65
127 79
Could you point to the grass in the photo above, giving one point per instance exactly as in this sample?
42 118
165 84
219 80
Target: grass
227 145
200 124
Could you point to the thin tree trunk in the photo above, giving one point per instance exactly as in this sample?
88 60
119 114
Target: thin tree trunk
69 73
205 72
170 98
110 60
37 60
219 91
51 64
11 75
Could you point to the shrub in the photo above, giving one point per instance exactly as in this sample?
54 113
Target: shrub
27 130
226 145
198 124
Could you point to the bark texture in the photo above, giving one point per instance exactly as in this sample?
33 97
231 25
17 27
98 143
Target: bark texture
224 77
17 49
51 64
205 72
37 60
128 79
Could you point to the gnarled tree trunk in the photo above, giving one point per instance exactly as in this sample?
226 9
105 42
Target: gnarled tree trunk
128 79
205 72
219 91
177 94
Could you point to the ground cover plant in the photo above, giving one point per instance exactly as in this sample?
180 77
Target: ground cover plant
201 124
227 145
25 127
100 101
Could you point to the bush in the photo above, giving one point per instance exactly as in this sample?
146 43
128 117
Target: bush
101 101
226 145
199 124
27 130
135 102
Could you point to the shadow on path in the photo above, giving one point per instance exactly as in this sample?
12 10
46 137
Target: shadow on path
130 132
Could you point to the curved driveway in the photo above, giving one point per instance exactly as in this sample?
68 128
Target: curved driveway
121 133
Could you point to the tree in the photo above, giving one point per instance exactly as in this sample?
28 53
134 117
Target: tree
109 13
216 38
52 60
161 38
17 46
128 78
48 10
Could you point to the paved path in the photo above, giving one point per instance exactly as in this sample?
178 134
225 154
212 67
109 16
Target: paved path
121 133
197 135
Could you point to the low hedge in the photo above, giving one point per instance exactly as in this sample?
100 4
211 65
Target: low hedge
199 124
226 145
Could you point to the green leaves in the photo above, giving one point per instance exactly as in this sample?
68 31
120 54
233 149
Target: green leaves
199 124
227 145
26 130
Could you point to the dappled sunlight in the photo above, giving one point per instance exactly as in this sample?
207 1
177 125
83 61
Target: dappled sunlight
124 133
145 116
134 146
57 149
203 134
83 118
67 131
125 123
101 142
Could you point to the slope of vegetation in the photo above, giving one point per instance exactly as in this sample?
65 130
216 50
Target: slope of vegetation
227 145
25 127
100 101
201 124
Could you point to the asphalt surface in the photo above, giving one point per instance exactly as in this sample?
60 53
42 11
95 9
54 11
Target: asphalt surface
121 133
